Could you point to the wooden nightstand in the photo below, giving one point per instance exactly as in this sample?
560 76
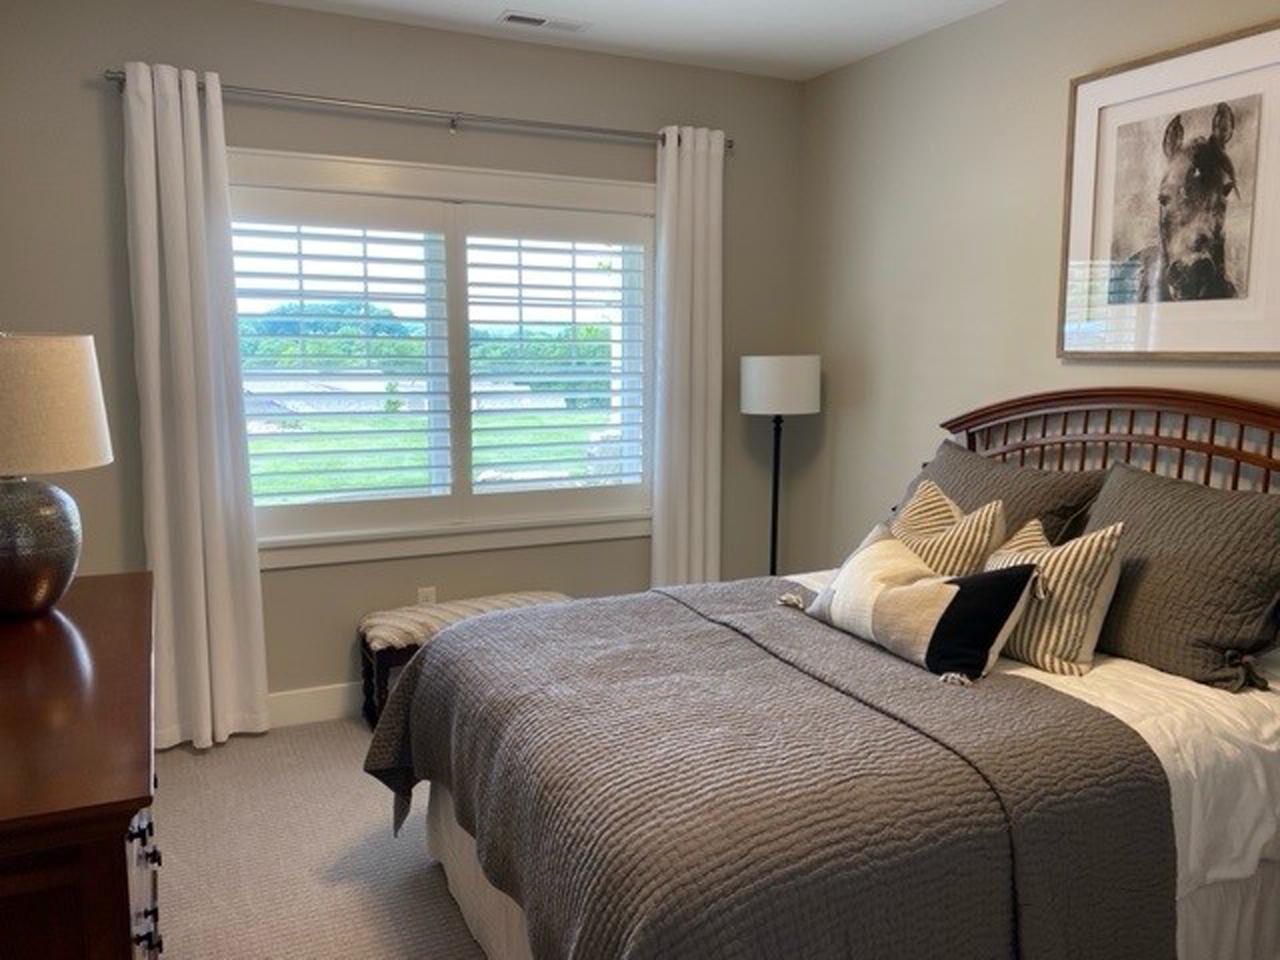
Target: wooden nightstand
77 857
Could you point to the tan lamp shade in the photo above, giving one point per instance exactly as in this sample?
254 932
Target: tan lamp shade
52 418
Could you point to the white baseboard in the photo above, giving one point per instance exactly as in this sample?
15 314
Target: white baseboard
334 701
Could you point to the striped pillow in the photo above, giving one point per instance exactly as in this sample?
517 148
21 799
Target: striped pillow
949 541
1060 628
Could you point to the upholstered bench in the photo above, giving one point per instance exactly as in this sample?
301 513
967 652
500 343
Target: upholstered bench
390 638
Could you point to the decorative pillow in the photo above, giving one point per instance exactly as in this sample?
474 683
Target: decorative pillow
1077 580
950 542
952 626
971 480
1199 590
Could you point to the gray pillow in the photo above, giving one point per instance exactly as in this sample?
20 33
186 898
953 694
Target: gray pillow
971 480
1199 588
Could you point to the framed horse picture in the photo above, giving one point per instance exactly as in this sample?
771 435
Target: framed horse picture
1171 239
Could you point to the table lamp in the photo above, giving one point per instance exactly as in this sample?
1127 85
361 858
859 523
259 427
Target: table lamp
779 386
52 420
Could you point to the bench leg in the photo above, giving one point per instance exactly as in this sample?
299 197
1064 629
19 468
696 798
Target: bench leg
381 680
367 668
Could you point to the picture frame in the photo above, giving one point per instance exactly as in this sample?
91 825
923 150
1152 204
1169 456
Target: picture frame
1171 216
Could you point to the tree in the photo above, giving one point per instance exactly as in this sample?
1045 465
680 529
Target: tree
332 335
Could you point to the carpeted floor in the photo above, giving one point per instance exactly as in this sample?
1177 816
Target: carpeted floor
279 847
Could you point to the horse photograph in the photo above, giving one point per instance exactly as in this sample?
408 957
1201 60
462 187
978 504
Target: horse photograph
1182 219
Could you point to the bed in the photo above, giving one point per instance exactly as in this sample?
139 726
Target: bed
700 771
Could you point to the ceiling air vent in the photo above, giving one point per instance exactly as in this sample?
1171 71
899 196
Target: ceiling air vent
537 21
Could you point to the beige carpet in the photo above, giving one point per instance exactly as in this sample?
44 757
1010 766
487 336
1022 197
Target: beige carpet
279 846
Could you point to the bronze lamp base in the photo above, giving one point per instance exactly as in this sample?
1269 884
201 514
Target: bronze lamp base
39 545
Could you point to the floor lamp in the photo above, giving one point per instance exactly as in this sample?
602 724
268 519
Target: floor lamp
779 386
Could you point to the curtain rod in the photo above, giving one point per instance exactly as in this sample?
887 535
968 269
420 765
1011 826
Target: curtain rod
454 118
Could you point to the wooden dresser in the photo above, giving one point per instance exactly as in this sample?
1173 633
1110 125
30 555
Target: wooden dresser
77 857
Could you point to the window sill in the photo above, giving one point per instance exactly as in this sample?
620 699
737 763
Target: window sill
326 549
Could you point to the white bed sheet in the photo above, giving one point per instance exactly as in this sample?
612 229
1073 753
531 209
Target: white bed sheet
1220 751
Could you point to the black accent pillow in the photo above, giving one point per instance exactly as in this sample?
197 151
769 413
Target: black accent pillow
1050 496
1199 589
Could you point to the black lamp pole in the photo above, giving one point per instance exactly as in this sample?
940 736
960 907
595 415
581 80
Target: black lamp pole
773 520
777 386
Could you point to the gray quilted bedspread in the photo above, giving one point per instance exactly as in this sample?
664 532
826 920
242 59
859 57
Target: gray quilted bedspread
702 773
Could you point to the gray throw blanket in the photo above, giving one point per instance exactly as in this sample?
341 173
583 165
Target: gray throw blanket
701 773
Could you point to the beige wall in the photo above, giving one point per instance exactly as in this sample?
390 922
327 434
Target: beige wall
932 200
63 263
905 223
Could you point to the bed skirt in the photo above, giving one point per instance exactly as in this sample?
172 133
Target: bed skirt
1231 920
494 919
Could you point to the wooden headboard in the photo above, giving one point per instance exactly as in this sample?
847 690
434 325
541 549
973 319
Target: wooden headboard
1214 440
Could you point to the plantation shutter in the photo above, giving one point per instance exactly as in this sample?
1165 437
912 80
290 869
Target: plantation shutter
344 345
556 343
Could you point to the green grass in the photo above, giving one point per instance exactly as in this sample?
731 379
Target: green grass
304 456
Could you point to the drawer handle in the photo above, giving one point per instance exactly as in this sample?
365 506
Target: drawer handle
151 940
153 856
142 832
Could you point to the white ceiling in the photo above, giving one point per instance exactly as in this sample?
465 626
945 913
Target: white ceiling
793 39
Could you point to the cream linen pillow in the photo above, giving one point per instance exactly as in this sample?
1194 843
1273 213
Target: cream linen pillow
952 626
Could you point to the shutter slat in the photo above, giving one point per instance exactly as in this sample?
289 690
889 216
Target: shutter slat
523 486
376 261
614 442
577 425
333 434
302 455
542 410
346 493
563 375
364 471
399 414
354 338
293 295
556 462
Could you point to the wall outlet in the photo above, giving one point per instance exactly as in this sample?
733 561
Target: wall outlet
426 594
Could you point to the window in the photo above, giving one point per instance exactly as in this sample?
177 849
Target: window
344 351
556 357
428 349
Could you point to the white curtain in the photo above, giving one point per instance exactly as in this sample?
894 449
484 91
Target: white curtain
210 661
686 483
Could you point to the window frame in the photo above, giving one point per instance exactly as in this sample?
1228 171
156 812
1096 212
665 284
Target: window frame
285 184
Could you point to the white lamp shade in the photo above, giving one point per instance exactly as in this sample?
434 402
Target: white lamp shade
52 418
781 385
